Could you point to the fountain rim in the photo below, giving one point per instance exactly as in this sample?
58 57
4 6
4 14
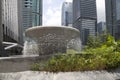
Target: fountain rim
42 27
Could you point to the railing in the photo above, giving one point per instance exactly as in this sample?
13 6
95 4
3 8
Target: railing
11 45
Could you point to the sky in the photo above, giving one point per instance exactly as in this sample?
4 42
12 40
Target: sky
52 11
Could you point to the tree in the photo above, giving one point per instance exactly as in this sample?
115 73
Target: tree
99 40
93 42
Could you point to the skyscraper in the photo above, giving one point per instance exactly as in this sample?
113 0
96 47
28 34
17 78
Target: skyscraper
36 12
11 18
113 17
85 17
19 15
32 13
1 33
67 14
101 27
27 14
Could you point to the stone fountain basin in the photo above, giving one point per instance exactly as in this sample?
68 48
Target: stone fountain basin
59 31
52 39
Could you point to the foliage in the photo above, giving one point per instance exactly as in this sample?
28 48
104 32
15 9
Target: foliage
104 56
71 51
109 50
74 63
35 66
93 42
99 40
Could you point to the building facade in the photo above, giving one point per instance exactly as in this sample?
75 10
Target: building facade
101 27
1 31
36 12
66 14
18 15
11 18
32 13
113 17
85 18
27 14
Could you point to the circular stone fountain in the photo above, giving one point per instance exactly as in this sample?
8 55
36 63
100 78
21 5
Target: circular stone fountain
53 39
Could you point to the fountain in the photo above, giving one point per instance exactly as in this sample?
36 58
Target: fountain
41 42
45 40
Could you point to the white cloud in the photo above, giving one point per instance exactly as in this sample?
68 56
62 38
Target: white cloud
68 0
101 10
52 12
52 17
49 12
49 1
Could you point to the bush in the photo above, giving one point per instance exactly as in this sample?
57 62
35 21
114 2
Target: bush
105 56
35 67
80 63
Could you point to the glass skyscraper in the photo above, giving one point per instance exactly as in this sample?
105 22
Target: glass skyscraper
36 12
67 14
113 17
85 18
12 20
32 13
101 28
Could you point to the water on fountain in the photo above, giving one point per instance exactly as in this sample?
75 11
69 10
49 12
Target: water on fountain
48 40
30 48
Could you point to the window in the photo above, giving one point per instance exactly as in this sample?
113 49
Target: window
26 6
26 2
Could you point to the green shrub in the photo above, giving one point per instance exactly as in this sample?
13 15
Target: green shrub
71 51
80 63
35 67
105 56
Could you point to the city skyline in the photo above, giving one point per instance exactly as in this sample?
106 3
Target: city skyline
52 11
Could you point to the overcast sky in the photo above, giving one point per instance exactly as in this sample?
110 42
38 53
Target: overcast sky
52 11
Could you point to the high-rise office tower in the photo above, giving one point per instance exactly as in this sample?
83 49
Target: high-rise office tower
85 18
11 21
1 31
113 17
36 12
27 14
101 27
19 15
32 13
67 14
